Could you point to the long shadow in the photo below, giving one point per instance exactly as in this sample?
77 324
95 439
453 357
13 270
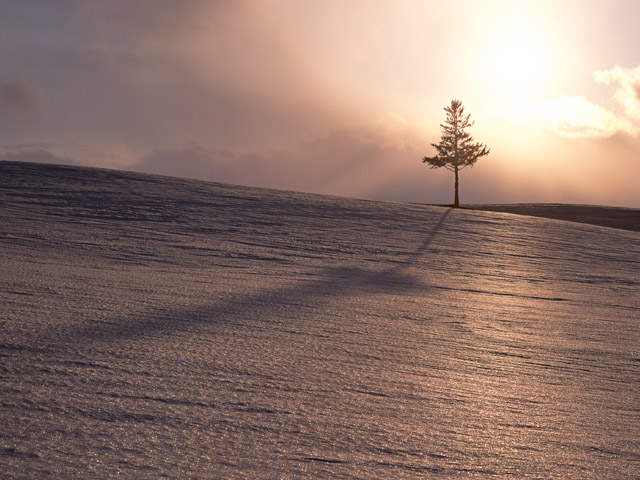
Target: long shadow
331 283
425 245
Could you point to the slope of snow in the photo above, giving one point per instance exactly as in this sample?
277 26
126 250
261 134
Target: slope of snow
158 327
613 217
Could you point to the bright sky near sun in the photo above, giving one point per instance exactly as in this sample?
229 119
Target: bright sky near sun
519 59
333 96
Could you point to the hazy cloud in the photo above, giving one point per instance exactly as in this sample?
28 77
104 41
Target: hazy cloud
21 98
33 153
194 161
576 116
571 117
626 82
158 74
346 162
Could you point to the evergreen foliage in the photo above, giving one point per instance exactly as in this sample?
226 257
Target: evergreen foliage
456 149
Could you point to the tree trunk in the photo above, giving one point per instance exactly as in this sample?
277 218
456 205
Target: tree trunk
456 200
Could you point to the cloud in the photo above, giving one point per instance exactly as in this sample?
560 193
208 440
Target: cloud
576 116
626 82
571 117
33 153
159 73
195 161
364 161
21 98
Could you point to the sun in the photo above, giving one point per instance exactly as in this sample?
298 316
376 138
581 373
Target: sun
517 61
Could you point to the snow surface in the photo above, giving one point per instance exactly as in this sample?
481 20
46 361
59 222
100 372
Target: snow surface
155 327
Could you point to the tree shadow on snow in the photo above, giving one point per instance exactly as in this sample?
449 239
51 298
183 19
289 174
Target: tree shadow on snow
327 286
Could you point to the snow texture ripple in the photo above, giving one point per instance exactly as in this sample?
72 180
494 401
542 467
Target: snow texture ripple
155 327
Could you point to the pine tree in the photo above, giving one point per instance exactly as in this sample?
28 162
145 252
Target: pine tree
456 149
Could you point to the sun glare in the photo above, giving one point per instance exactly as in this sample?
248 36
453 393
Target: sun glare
518 61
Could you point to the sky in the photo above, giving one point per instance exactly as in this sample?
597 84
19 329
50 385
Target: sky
336 97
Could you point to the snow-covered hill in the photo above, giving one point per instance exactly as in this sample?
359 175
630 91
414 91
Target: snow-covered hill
157 327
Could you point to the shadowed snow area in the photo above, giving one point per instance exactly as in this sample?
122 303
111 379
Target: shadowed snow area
612 217
155 327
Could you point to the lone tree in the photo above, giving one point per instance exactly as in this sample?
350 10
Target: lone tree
456 149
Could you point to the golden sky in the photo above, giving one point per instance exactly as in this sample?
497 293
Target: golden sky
340 97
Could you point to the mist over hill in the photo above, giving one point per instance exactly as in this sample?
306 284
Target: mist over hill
161 327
